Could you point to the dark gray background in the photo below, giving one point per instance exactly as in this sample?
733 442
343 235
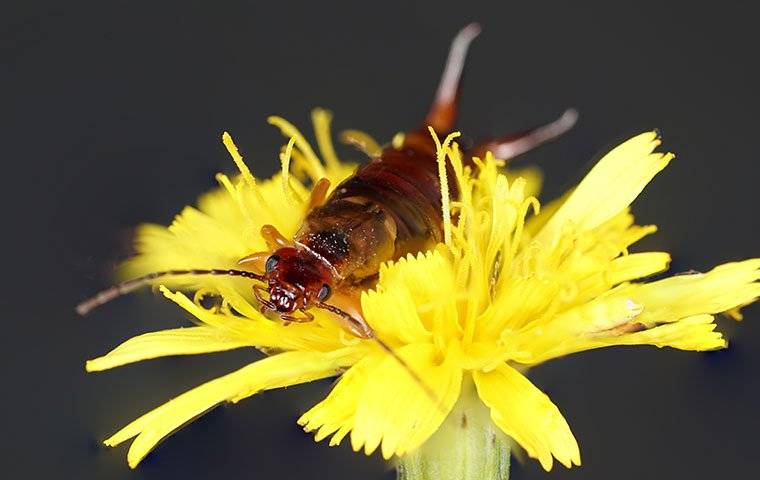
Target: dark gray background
112 114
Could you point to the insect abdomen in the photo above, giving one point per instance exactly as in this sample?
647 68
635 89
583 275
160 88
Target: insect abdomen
390 207
406 187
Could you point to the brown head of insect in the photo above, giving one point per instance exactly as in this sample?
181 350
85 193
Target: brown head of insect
296 280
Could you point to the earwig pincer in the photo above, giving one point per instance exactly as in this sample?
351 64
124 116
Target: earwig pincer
390 207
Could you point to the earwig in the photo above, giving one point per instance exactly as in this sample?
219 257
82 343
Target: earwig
390 207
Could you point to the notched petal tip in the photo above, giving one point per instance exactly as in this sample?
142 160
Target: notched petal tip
134 458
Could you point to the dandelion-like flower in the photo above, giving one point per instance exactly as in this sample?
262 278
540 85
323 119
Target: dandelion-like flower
512 286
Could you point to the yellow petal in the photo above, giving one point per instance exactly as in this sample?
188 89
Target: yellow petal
178 341
581 267
637 265
395 412
686 301
335 414
527 415
281 370
723 288
615 181
696 333
322 334
405 302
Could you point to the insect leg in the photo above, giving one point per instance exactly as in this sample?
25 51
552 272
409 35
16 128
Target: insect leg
319 193
307 317
265 304
275 240
510 146
443 112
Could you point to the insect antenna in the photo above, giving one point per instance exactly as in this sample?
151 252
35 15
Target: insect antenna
129 286
390 351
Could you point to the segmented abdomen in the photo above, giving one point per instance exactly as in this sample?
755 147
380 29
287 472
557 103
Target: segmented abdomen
390 207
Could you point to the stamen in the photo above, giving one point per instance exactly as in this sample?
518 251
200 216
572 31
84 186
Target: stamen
225 182
441 151
493 278
522 213
301 164
289 130
321 119
285 160
235 193
240 188
238 159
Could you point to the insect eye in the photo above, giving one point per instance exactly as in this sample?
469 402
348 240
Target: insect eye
324 292
272 263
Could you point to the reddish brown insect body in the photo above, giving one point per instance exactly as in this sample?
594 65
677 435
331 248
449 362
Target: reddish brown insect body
390 207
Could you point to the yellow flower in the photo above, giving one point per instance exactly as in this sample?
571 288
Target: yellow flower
510 288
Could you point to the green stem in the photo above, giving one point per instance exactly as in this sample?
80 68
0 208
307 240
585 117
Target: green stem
467 446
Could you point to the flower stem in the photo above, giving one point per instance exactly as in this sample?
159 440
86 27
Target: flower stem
467 446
